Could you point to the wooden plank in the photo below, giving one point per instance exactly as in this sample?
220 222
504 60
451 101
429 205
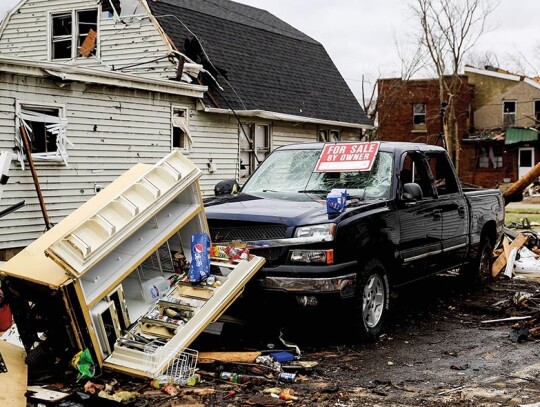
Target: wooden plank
13 382
499 264
228 357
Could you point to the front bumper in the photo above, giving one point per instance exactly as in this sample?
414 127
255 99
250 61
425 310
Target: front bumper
312 280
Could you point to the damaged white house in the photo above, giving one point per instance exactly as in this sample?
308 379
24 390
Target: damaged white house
99 85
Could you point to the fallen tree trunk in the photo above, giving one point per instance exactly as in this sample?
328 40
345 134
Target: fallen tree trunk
519 186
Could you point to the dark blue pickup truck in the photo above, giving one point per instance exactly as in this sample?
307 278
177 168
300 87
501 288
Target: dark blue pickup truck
406 218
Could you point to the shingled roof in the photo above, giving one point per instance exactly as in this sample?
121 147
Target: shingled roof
261 62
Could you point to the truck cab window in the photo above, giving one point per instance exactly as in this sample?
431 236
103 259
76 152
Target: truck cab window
443 173
413 169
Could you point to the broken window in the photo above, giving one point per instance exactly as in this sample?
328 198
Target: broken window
291 172
489 157
255 150
74 34
414 169
45 127
443 173
509 113
181 138
537 111
329 136
419 114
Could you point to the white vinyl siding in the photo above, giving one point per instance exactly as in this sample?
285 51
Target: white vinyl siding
134 41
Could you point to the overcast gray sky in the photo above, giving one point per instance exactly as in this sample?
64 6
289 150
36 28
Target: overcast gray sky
360 35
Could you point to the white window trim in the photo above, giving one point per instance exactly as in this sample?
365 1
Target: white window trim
323 135
184 126
74 33
514 112
253 149
62 141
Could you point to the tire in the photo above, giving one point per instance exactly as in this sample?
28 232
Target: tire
371 300
478 273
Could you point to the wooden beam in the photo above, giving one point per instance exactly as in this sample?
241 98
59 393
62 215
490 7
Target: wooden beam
228 357
519 186
499 264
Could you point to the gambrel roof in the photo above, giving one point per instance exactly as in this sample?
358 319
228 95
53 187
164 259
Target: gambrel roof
261 62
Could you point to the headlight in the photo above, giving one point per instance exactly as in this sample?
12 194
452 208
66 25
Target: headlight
325 230
313 256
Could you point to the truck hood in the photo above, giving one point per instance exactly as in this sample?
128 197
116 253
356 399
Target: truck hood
298 209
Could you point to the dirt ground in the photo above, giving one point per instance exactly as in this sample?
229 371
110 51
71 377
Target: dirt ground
435 351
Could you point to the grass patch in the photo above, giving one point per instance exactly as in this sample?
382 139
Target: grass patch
518 216
523 211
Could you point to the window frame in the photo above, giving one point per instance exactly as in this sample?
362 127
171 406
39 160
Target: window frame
415 114
254 149
536 112
188 140
483 153
75 32
325 135
509 114
57 156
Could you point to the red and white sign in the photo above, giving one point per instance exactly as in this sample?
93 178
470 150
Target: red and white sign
347 157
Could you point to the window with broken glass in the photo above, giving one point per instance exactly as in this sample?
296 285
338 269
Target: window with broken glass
45 128
419 114
181 137
255 146
329 136
290 173
509 113
74 34
489 157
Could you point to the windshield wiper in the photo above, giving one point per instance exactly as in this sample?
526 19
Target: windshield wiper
314 191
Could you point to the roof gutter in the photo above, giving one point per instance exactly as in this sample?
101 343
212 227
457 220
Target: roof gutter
263 114
86 75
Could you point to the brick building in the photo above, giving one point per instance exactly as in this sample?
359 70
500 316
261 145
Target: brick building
498 116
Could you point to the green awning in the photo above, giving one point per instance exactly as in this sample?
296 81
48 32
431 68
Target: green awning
514 135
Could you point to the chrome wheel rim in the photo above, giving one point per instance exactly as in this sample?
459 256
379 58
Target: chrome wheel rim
373 300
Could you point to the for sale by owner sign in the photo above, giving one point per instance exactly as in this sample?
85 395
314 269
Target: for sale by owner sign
347 157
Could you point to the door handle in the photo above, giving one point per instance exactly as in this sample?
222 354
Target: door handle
461 211
437 213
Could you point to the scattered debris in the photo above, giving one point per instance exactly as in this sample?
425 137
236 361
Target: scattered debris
510 319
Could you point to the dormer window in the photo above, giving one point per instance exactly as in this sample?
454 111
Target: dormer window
74 34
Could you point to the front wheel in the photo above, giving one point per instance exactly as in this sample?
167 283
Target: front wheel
371 300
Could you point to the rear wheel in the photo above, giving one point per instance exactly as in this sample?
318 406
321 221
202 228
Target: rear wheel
478 272
371 300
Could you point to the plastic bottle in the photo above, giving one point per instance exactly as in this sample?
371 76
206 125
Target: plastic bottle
193 379
231 377
154 289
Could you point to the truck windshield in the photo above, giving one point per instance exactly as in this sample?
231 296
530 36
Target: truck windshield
291 171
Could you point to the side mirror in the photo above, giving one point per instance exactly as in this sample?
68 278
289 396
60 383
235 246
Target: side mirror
226 187
412 192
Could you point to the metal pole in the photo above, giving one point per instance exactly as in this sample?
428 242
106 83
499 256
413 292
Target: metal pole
28 153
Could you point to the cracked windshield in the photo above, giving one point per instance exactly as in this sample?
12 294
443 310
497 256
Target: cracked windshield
291 171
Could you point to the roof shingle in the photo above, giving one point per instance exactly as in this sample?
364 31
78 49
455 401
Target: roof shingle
271 65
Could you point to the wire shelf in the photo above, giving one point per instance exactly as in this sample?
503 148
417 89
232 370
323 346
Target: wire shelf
179 368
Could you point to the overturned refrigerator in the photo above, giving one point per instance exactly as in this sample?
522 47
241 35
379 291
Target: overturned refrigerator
107 278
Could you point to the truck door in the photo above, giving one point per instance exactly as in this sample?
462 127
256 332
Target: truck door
454 209
420 222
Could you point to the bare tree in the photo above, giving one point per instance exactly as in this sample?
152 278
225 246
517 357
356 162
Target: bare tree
448 31
411 63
